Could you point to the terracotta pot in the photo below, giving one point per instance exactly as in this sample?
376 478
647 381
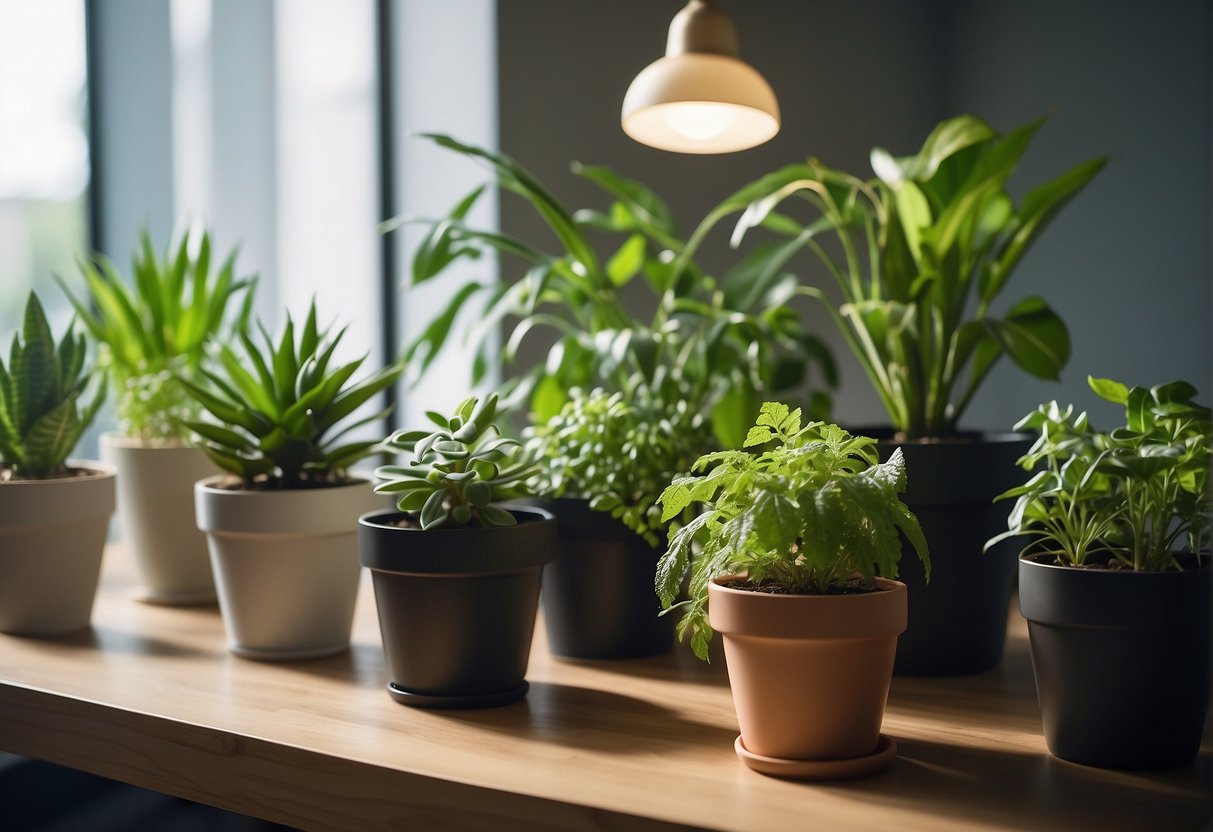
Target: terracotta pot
457 606
810 673
52 535
598 598
1122 661
156 510
286 565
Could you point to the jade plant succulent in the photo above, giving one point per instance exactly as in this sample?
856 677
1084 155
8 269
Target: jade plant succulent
154 332
618 451
41 392
279 424
1135 496
457 471
816 513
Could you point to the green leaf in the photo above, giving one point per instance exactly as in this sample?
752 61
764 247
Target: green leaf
626 262
1035 337
1109 390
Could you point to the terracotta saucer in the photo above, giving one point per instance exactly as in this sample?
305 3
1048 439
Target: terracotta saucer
886 750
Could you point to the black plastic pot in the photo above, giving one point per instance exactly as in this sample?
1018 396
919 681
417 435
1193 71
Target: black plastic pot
457 606
598 596
958 622
1121 661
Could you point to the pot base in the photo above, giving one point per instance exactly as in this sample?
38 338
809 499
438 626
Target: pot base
302 654
878 760
429 700
195 598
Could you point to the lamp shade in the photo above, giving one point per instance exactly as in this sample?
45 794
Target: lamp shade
700 103
701 97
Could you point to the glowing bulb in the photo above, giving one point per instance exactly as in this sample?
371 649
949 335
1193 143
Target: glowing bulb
696 121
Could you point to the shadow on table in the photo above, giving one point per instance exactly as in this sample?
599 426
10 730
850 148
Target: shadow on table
991 786
679 665
119 641
597 720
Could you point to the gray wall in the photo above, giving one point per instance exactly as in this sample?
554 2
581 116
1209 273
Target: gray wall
1127 265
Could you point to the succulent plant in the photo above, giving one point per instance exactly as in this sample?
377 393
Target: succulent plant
279 424
457 471
154 332
40 392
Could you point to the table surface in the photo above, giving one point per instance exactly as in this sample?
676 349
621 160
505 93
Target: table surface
151 696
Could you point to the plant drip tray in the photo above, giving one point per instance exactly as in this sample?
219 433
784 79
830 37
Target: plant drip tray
483 700
886 750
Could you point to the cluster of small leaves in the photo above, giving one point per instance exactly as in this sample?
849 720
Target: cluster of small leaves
279 424
1137 495
40 397
155 332
812 514
458 471
733 340
618 451
926 249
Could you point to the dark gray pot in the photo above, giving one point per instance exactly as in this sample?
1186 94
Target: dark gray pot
457 606
598 596
1121 661
958 622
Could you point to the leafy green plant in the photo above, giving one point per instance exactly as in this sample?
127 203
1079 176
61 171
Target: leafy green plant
154 332
730 342
1136 495
457 471
41 390
618 451
926 249
817 513
280 422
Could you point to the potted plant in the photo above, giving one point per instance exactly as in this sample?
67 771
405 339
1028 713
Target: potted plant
732 339
797 549
1115 583
456 576
282 531
54 511
924 252
602 462
152 333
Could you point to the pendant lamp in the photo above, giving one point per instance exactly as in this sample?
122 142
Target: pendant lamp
701 97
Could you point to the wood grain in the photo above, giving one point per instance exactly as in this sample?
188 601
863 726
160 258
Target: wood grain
151 696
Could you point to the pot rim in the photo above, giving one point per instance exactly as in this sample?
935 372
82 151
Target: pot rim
748 613
103 471
205 486
883 433
117 439
368 519
1204 564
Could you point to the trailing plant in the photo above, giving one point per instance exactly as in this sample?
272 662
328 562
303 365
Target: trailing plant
731 341
457 471
816 513
618 451
924 251
154 332
280 423
1136 495
41 393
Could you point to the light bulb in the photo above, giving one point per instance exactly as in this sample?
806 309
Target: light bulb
698 122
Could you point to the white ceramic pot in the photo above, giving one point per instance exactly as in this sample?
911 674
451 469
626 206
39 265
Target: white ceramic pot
156 509
52 535
286 565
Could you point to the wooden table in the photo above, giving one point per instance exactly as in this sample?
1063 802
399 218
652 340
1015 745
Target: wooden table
151 696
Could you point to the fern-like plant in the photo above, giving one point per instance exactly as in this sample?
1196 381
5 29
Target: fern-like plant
154 331
815 514
41 389
457 471
280 422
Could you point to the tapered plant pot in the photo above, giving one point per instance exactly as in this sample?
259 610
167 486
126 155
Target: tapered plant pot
958 622
285 565
156 509
810 676
598 598
457 606
1121 660
52 535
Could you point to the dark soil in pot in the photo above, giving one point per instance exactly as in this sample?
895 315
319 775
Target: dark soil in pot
457 606
957 622
1122 661
598 598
